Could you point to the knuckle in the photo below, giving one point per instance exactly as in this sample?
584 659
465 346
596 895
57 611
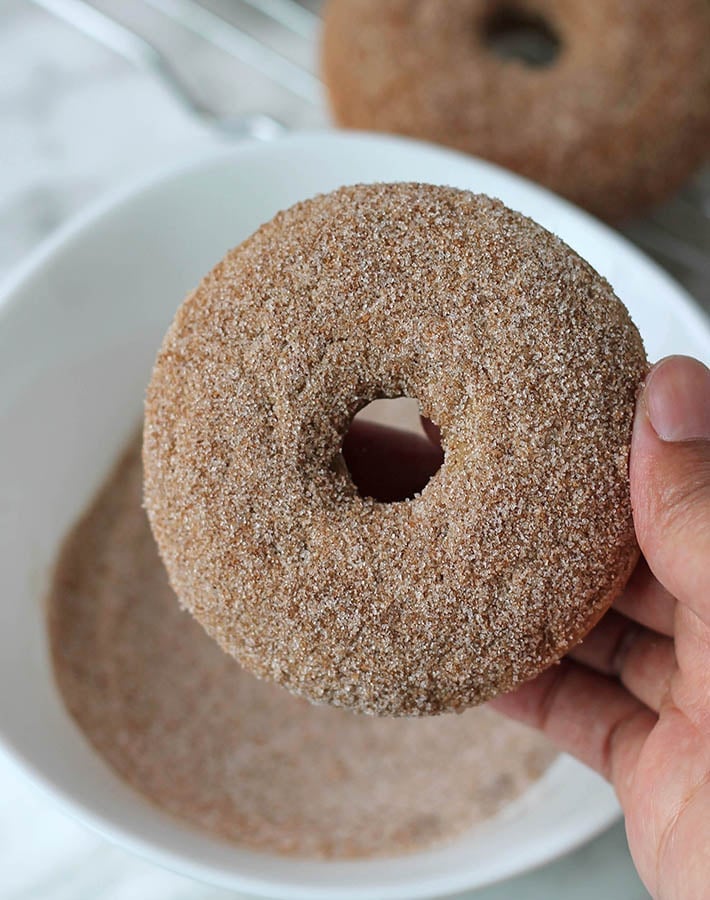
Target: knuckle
684 501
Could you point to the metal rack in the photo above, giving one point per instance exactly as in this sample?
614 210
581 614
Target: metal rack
260 35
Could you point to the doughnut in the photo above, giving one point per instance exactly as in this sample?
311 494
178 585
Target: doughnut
514 347
616 122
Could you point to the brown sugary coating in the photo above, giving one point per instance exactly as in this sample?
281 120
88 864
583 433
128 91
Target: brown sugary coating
514 346
616 123
186 726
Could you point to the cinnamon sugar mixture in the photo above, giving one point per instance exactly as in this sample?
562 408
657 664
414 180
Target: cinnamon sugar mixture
182 723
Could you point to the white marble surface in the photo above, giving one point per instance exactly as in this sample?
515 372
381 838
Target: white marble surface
74 120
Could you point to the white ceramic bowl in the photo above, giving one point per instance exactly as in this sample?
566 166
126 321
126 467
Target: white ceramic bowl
79 326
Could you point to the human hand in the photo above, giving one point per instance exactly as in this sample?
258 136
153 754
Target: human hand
633 700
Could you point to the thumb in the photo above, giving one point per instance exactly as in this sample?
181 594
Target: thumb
670 479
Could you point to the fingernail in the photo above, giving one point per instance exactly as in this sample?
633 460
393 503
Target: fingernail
677 399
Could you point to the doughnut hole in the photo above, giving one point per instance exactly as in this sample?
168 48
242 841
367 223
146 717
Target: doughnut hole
514 33
391 451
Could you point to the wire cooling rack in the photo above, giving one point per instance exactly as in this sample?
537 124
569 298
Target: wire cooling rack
276 40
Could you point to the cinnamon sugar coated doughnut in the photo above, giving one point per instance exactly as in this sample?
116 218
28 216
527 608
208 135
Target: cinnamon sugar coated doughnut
515 347
615 121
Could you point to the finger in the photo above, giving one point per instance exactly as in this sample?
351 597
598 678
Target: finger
691 683
389 464
586 714
643 660
670 479
646 601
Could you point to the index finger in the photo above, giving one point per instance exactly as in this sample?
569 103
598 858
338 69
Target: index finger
586 714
